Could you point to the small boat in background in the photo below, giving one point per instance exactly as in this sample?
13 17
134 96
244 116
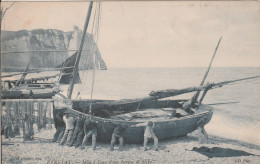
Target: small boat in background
31 91
29 88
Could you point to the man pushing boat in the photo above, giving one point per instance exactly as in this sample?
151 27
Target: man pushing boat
78 133
59 125
202 134
148 134
90 129
69 126
118 133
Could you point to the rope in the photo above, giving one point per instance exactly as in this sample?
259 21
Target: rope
93 42
93 25
84 78
95 32
92 50
92 86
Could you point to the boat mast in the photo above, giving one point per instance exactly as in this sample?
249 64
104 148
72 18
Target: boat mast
24 74
76 66
186 105
206 74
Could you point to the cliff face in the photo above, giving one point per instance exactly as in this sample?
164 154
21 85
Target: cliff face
44 40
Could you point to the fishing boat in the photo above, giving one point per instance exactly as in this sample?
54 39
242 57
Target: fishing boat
31 91
28 88
165 125
38 87
109 113
154 107
31 88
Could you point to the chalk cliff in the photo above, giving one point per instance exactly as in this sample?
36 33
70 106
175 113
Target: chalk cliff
39 39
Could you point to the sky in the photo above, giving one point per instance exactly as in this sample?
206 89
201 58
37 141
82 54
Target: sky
156 34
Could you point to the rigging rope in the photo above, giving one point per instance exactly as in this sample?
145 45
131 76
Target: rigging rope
94 46
84 78
92 39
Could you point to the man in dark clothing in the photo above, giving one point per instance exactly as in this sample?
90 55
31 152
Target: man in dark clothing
2 125
16 129
118 133
59 125
28 132
90 128
8 131
78 133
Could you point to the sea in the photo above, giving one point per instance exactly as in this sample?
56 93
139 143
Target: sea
238 118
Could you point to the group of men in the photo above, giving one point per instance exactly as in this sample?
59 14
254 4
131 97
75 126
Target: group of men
76 132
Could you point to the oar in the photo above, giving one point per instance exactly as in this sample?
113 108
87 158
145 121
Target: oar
174 92
37 51
35 71
232 102
18 74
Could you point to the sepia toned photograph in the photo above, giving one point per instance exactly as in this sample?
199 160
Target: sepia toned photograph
130 82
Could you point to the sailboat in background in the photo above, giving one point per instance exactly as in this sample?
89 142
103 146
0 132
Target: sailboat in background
29 88
33 87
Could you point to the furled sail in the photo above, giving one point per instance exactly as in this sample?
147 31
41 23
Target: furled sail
67 69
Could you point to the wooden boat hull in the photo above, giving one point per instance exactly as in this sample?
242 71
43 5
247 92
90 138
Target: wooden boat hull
36 94
31 91
174 127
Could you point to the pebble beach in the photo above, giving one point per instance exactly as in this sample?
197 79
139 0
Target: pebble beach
175 150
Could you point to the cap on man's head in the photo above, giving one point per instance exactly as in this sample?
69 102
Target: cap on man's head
66 112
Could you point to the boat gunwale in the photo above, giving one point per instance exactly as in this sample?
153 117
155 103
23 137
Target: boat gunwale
211 110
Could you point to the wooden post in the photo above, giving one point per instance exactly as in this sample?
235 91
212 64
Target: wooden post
16 112
45 105
8 109
23 116
30 118
39 115
11 109
34 112
16 118
49 114
20 113
26 122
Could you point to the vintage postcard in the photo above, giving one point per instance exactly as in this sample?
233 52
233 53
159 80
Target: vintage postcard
123 82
